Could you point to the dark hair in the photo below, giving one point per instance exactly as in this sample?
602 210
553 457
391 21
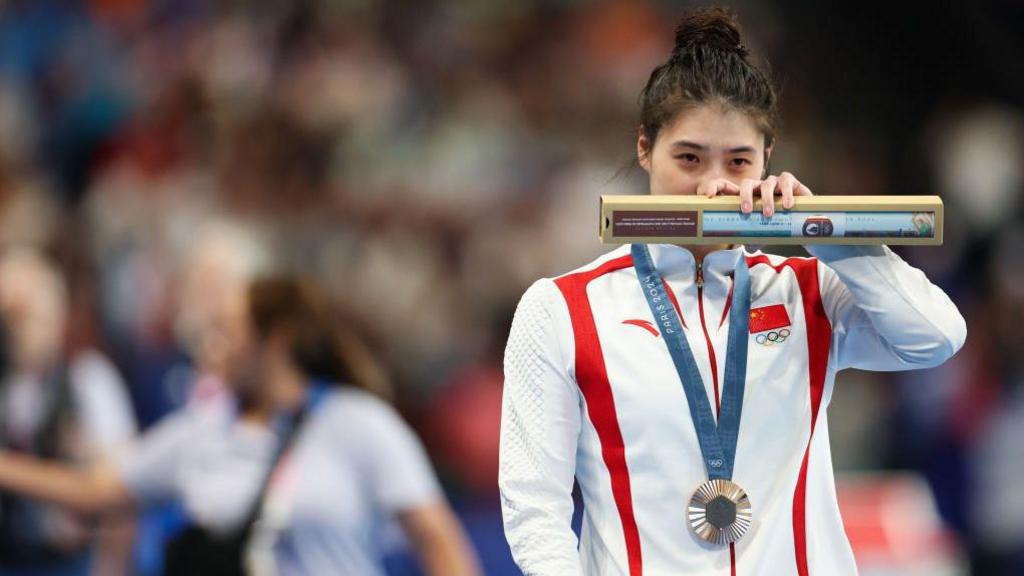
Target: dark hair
284 302
708 64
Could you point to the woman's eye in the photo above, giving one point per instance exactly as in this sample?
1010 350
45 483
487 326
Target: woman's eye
689 158
739 162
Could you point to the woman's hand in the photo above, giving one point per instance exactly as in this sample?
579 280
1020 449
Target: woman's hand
785 185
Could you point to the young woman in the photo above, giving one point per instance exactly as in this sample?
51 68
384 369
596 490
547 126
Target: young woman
294 477
685 387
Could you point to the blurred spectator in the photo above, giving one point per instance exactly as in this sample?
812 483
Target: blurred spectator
211 289
69 405
256 474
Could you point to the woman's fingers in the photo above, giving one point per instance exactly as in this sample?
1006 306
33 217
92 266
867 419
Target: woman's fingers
747 195
717 186
729 187
786 184
768 195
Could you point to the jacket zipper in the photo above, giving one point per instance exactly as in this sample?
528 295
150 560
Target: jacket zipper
714 376
707 337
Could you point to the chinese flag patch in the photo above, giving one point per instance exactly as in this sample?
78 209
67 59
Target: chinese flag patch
768 317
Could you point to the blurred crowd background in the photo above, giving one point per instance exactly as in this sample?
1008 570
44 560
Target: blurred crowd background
427 160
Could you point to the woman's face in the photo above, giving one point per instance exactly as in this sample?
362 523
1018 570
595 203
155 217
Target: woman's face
240 353
33 309
702 144
256 363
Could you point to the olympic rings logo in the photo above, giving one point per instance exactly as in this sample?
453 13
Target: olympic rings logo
773 337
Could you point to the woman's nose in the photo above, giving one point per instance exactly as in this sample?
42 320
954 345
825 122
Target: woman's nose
716 170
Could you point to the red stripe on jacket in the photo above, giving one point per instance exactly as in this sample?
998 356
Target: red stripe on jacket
592 379
819 340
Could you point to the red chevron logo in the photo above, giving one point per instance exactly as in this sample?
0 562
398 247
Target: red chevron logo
645 324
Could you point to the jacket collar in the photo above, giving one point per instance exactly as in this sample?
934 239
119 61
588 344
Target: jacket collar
678 262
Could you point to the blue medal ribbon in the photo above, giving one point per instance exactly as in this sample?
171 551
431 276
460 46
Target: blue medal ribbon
717 441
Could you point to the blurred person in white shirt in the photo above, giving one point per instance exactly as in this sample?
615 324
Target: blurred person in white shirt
256 495
69 405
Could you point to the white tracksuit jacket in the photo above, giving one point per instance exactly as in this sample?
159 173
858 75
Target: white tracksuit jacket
591 392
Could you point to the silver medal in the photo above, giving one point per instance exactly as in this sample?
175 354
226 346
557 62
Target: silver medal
719 512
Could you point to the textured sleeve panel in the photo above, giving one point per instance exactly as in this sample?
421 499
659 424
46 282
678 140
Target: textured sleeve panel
540 423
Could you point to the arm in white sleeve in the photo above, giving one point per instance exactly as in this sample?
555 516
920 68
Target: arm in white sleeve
885 314
540 424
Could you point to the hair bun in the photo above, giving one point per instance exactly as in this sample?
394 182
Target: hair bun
715 28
